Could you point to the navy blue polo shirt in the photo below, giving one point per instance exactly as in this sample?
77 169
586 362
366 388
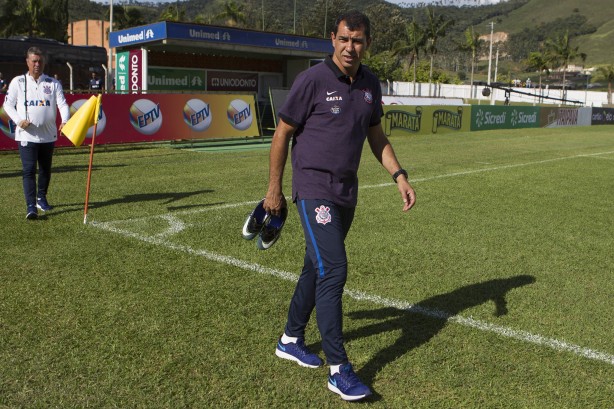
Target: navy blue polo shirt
332 117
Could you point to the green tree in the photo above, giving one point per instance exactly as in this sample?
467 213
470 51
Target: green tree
387 25
233 14
34 18
472 43
126 17
563 53
436 28
383 65
413 41
540 62
606 73
172 12
319 19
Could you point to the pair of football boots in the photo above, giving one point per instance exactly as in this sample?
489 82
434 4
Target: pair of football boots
264 225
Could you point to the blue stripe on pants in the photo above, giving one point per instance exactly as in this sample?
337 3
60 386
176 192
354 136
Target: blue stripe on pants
323 277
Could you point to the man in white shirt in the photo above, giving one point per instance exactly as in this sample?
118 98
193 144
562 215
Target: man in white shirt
32 102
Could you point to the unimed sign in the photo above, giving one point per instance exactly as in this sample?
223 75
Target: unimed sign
232 81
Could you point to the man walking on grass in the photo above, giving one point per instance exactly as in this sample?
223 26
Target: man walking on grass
330 111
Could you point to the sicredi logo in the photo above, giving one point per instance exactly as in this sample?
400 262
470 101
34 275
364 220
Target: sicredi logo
522 118
102 122
484 118
197 115
146 116
239 114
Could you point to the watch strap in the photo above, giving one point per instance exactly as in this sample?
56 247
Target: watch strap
399 173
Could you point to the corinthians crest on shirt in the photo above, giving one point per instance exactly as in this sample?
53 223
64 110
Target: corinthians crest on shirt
368 95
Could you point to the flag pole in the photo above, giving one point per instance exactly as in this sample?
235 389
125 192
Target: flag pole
89 176
89 169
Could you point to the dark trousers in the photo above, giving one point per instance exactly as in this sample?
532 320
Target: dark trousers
32 154
324 274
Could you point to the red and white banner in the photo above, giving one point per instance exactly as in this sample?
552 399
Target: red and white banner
131 118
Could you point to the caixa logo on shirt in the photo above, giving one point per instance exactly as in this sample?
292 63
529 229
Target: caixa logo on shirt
37 103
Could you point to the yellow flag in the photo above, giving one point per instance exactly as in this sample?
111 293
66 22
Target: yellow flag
77 126
98 108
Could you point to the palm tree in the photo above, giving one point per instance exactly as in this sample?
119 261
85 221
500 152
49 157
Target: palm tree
172 13
540 62
563 53
606 73
472 43
435 29
411 45
233 13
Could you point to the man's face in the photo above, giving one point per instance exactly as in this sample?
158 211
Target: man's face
36 64
349 48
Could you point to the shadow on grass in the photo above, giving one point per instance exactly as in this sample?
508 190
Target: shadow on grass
425 319
166 197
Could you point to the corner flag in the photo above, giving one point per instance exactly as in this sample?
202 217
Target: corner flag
86 116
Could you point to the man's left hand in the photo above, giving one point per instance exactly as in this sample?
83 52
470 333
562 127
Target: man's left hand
407 194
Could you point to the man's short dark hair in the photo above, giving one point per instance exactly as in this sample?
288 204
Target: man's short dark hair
354 20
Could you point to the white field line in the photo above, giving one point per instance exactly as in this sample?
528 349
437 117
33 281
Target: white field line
470 172
176 225
425 179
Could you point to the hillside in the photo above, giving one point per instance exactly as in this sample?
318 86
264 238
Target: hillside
596 31
599 14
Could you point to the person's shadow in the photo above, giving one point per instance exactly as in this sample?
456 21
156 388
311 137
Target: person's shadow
420 323
166 198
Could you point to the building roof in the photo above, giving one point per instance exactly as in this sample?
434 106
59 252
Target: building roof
188 37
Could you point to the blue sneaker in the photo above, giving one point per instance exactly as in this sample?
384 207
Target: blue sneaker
298 353
271 230
42 204
347 384
255 221
31 213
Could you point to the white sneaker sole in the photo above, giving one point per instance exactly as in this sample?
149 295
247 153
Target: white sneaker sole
283 355
350 398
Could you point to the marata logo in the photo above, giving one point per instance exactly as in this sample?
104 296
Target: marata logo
403 120
448 119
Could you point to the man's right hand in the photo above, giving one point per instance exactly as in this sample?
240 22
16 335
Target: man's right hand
274 202
23 124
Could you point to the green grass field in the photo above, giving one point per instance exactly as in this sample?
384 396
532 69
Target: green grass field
495 291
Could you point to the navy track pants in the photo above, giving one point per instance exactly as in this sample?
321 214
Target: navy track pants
324 274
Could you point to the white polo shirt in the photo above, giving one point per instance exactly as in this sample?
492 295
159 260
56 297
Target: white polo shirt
38 102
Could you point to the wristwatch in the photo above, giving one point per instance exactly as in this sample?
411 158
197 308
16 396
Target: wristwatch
399 173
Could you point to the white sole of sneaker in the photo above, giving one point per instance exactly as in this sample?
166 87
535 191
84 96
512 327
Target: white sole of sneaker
349 398
283 355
